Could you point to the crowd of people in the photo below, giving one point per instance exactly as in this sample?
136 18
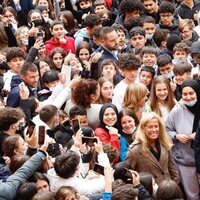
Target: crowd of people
99 99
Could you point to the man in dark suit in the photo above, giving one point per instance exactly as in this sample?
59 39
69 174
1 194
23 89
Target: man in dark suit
107 50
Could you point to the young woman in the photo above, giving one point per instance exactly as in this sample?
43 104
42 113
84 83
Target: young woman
151 150
83 51
128 123
56 58
42 65
48 4
85 93
41 181
161 99
21 35
135 98
14 145
181 125
106 91
108 129
70 24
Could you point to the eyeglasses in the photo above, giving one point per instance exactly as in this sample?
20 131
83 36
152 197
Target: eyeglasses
165 15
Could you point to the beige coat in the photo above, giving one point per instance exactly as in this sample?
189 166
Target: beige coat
164 169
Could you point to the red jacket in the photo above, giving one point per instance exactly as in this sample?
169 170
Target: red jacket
107 138
51 44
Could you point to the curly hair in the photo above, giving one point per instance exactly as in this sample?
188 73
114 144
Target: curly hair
82 91
129 61
130 6
166 7
9 116
14 52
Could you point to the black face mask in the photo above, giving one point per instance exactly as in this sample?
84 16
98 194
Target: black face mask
38 22
86 10
106 22
20 130
62 9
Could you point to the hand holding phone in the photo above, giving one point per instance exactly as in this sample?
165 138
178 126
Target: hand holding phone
98 168
30 129
75 125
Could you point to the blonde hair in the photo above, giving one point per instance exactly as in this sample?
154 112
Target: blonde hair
134 94
17 34
186 23
65 192
163 138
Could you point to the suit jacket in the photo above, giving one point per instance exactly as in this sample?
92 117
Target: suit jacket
106 54
164 169
95 68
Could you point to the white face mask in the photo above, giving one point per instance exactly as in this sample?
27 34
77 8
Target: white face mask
46 19
51 89
149 36
191 103
25 41
169 75
128 133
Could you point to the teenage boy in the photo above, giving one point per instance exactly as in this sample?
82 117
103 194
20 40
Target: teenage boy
128 65
80 113
182 72
15 58
187 9
149 57
137 38
167 20
91 23
59 39
151 9
180 52
99 6
160 38
121 32
165 66
129 9
149 26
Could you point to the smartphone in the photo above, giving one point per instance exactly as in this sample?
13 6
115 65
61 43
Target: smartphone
98 168
40 35
30 128
75 125
89 141
54 150
41 136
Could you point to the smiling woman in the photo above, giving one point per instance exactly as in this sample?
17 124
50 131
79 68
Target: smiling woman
152 147
182 124
161 98
107 131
